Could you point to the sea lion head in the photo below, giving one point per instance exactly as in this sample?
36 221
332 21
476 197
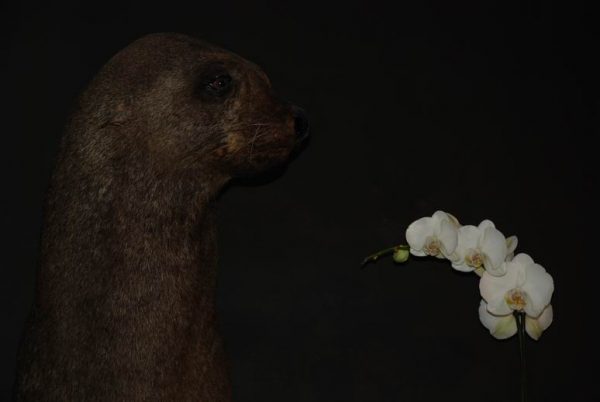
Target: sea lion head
191 105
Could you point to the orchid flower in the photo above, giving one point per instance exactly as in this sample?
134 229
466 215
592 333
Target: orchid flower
526 287
436 236
503 327
481 247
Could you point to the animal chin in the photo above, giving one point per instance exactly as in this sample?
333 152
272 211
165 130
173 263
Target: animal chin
268 158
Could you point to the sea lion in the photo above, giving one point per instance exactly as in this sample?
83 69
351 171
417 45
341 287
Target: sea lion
125 292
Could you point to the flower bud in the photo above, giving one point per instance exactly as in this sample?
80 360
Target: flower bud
401 255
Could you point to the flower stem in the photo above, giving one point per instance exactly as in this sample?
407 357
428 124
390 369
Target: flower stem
375 256
520 316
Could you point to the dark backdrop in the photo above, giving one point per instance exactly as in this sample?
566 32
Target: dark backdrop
483 110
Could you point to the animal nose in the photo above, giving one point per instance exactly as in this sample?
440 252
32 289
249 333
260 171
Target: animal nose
300 122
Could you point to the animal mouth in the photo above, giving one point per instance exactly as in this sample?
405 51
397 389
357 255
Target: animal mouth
268 138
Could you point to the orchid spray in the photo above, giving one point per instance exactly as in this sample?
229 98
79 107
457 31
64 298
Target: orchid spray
515 291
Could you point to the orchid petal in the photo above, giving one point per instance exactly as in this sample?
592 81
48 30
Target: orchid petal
535 326
448 237
486 224
453 220
493 246
500 327
493 289
440 216
489 267
468 237
498 306
539 286
418 231
511 244
462 267
522 259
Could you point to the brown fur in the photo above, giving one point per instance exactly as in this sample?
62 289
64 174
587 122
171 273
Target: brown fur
125 298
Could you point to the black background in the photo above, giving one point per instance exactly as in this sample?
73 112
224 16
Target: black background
482 109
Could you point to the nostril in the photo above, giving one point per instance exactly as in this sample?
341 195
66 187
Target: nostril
300 122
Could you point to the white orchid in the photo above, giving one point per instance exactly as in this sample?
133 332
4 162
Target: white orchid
505 326
436 235
516 291
525 287
481 247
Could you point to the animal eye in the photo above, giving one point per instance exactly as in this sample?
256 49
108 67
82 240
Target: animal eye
219 84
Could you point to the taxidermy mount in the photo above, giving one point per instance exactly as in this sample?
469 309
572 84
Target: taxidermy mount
124 307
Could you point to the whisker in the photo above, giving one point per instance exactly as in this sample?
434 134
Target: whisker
256 136
193 154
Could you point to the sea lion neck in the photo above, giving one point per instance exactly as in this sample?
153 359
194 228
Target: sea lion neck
128 266
160 202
